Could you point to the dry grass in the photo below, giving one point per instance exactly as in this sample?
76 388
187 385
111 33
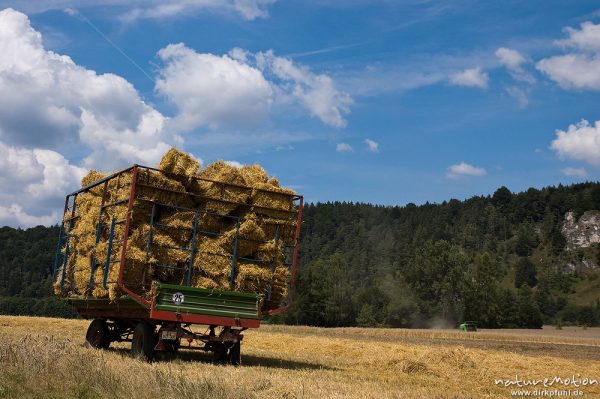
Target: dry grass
45 358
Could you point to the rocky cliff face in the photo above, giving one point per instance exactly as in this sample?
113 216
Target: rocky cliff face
584 232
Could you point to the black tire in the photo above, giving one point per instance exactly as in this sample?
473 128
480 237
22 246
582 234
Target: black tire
220 353
98 334
143 342
235 354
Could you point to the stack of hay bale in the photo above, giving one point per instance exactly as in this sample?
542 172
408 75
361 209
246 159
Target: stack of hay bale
227 200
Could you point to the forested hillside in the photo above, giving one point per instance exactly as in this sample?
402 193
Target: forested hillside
500 260
26 260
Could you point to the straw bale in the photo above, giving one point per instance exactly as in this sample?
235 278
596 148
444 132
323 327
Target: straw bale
254 174
211 283
161 251
56 288
113 292
102 252
178 162
117 188
285 228
67 284
250 236
132 275
268 251
273 198
82 273
138 237
92 177
253 277
180 219
267 192
178 225
208 190
163 189
158 254
204 282
215 223
86 203
84 229
279 289
207 243
222 181
99 291
211 259
213 265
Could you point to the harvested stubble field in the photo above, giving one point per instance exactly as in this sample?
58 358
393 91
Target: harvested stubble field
45 358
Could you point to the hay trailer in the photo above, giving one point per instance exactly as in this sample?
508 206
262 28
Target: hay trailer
157 317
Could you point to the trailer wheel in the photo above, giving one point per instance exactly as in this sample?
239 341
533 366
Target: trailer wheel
143 342
220 352
98 335
235 354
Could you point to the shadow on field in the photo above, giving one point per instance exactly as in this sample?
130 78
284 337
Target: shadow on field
281 363
247 360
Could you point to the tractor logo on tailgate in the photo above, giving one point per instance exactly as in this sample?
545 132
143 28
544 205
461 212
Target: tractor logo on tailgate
178 298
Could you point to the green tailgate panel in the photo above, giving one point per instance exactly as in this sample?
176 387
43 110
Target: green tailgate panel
125 303
182 299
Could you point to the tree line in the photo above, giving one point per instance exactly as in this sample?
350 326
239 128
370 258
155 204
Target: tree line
499 260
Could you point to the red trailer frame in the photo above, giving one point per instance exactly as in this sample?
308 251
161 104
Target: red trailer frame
117 322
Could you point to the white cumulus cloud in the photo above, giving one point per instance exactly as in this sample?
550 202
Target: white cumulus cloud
518 94
211 90
30 181
574 172
580 142
579 69
160 9
587 38
510 58
372 146
130 10
464 169
235 164
470 77
238 89
573 71
48 100
343 147
49 104
513 61
317 92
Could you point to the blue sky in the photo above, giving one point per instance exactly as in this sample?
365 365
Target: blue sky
386 102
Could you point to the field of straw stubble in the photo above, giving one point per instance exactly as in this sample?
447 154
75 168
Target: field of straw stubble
45 358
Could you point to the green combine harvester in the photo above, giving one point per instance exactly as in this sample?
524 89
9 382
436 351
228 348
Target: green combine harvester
468 326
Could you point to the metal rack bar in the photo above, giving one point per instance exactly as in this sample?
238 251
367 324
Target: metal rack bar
109 250
64 272
148 243
170 267
191 266
273 264
172 247
235 241
98 233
